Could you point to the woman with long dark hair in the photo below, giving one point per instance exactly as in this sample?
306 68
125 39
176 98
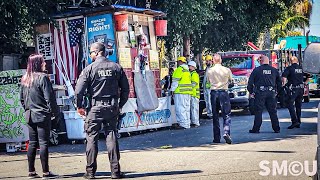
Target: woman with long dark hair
39 102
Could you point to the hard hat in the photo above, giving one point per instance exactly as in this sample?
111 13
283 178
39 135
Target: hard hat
208 58
183 59
192 63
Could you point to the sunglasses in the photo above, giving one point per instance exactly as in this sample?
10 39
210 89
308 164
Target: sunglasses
91 52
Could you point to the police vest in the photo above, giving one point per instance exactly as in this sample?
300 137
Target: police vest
195 84
183 77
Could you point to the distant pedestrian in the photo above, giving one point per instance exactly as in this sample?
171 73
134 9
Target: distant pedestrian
264 83
108 88
39 102
195 96
219 78
294 75
166 82
206 87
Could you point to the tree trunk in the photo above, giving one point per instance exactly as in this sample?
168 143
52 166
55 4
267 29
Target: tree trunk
186 46
199 60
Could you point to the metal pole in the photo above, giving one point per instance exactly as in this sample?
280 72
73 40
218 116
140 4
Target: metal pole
300 54
318 148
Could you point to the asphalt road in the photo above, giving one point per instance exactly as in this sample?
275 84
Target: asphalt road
189 154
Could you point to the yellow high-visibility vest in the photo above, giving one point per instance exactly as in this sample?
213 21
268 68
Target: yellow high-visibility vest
195 81
183 77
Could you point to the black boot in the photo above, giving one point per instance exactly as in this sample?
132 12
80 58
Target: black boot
294 125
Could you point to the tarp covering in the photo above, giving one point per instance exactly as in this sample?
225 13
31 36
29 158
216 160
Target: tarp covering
311 60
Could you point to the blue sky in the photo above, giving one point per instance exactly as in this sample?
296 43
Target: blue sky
315 19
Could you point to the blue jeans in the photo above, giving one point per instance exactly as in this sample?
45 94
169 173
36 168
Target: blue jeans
221 97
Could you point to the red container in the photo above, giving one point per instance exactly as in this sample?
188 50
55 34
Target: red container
121 21
161 27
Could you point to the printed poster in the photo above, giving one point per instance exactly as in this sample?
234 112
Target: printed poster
137 121
125 57
12 121
100 29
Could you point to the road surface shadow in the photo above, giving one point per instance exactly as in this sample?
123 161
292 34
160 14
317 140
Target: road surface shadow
104 175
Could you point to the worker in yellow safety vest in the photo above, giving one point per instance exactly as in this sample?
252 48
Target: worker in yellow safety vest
206 86
182 89
194 103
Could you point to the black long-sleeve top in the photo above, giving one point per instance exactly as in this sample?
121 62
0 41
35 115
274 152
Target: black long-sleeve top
39 99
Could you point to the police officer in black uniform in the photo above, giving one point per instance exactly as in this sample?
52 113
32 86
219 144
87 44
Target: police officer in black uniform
105 82
263 83
294 75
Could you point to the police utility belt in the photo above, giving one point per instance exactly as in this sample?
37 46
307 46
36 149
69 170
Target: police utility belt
105 102
300 86
219 90
266 88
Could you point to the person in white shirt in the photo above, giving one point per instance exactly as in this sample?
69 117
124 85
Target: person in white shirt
219 78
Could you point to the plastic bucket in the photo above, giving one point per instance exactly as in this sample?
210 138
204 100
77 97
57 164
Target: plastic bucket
121 21
161 27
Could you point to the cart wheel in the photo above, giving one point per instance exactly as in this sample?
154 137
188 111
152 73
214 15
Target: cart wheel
118 135
54 138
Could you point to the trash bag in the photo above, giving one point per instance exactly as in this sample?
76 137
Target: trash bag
147 99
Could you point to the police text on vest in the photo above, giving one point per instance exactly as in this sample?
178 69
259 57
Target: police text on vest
266 71
104 73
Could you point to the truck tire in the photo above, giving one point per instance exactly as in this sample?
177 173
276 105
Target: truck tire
306 98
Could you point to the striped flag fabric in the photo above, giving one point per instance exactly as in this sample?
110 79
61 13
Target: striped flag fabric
67 35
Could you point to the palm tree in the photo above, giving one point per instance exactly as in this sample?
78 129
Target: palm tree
288 25
296 17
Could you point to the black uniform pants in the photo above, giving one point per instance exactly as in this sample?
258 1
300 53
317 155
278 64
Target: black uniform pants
295 100
39 133
108 116
221 97
268 99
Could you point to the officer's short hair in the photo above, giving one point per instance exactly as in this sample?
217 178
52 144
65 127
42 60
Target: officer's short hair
264 59
99 47
294 58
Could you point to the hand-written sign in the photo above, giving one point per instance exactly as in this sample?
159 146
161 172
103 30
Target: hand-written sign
44 46
154 59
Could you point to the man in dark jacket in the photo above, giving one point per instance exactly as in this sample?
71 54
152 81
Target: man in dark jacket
264 83
105 82
295 77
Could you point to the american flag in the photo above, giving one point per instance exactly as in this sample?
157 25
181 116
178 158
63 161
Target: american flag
67 38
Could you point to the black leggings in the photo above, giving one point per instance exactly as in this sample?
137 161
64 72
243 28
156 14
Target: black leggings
39 133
